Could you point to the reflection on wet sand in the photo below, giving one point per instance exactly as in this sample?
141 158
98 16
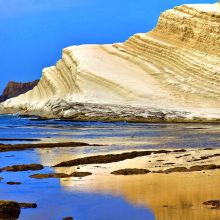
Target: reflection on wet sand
173 196
176 196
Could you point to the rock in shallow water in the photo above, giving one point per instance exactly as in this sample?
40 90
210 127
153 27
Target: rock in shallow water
49 175
60 175
22 167
68 218
9 210
24 205
14 183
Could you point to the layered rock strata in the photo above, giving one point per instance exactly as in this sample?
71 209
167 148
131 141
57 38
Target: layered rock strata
172 72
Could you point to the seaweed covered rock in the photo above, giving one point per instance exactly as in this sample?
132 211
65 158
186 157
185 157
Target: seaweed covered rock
9 210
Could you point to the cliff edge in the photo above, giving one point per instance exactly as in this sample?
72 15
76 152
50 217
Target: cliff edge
170 73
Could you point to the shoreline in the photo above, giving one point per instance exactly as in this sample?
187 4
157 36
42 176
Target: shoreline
115 120
156 158
63 110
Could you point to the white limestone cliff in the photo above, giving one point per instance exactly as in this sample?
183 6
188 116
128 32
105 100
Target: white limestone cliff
171 72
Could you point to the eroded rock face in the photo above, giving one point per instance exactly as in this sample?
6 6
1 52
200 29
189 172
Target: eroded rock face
14 89
172 72
196 25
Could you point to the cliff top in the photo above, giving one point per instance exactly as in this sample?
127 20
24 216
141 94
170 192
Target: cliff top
206 7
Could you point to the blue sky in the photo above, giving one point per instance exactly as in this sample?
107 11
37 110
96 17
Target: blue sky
33 32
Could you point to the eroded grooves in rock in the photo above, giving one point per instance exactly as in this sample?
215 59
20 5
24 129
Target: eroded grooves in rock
174 68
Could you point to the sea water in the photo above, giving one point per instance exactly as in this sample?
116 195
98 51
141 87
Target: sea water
61 198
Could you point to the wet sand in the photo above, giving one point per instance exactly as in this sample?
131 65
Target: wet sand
173 196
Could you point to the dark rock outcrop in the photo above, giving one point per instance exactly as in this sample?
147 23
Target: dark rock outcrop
59 175
22 167
14 89
127 172
215 204
80 174
24 205
49 175
18 147
108 158
68 218
14 183
176 170
9 210
191 169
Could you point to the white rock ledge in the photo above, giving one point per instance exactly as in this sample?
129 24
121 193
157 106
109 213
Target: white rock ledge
171 73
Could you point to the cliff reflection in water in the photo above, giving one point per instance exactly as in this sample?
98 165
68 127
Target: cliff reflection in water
174 196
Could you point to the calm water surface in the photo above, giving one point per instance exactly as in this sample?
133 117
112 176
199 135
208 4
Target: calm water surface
99 197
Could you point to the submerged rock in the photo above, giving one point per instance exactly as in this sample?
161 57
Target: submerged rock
68 218
14 183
